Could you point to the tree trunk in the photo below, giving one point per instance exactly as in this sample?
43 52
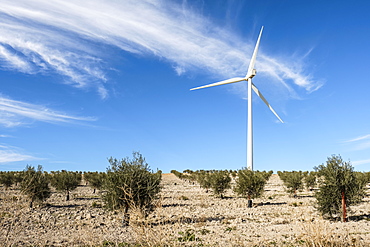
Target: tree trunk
67 198
126 216
249 201
344 209
31 203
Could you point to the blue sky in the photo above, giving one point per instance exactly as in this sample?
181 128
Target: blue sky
84 81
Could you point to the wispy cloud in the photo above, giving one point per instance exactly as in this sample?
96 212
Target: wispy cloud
360 162
12 154
360 142
58 36
14 113
360 138
5 136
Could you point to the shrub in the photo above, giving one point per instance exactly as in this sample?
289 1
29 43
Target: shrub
310 180
339 187
130 184
292 180
188 171
179 174
250 184
65 181
18 177
35 184
204 180
266 174
220 181
188 235
7 179
95 179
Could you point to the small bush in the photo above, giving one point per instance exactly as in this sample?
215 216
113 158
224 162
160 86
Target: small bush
185 198
65 181
96 205
220 182
35 184
292 180
250 184
7 179
130 184
204 180
178 174
188 235
229 229
95 179
310 180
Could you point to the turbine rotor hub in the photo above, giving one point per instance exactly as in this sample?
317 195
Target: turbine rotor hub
254 72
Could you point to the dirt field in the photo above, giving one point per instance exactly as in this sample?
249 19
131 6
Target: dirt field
185 216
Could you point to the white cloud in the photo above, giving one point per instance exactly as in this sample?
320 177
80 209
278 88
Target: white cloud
15 113
360 162
5 136
359 143
12 154
360 138
69 38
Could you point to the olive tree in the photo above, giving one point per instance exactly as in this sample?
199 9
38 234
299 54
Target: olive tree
95 179
220 182
250 184
292 180
65 181
35 184
339 187
310 180
131 185
204 179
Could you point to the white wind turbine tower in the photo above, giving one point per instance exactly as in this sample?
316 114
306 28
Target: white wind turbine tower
250 74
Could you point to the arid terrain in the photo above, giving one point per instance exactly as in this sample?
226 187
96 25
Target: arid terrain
185 216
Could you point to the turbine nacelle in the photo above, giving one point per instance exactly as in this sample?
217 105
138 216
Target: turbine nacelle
252 74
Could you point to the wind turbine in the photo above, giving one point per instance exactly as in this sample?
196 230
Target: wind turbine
250 74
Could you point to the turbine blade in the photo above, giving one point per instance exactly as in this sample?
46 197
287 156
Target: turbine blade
253 59
228 81
255 89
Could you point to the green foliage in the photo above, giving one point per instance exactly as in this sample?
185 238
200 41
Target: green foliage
7 179
250 184
367 175
339 187
204 180
188 171
96 205
95 179
233 173
18 177
310 180
35 184
220 182
177 173
188 235
114 244
229 229
266 174
292 180
130 184
204 231
65 181
185 198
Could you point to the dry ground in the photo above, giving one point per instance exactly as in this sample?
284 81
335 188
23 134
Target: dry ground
185 216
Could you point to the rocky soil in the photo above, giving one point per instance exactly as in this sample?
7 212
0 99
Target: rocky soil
185 216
